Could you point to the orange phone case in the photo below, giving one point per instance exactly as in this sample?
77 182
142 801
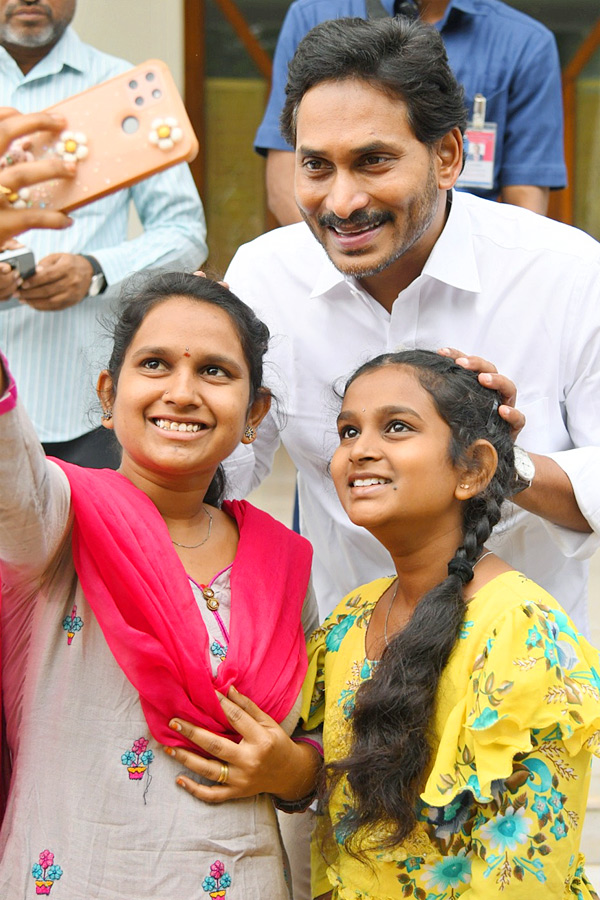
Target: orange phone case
120 132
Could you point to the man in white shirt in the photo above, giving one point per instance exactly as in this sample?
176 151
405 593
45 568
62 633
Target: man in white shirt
400 260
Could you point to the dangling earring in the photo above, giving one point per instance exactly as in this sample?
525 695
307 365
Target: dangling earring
107 414
249 433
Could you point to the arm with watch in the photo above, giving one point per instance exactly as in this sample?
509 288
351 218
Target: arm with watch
62 280
174 234
542 485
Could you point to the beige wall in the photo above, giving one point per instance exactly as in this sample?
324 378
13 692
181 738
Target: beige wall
135 30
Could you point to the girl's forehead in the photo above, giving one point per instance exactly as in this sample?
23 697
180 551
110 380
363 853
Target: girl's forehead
195 322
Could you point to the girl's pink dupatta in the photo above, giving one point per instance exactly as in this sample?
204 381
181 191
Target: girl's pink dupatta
139 592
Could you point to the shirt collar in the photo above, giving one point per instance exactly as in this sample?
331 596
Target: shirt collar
452 260
69 52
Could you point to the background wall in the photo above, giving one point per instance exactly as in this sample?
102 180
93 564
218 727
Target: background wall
135 30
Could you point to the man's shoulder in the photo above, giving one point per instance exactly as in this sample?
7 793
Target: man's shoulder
501 16
514 228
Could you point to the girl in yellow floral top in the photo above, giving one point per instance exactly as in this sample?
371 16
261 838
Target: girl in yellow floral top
460 706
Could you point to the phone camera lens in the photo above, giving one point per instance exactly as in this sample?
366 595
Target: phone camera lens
156 93
133 84
149 76
139 101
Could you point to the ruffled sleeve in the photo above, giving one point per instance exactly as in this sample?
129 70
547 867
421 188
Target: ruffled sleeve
313 691
533 673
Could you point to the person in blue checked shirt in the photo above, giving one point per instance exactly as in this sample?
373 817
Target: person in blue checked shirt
49 324
494 50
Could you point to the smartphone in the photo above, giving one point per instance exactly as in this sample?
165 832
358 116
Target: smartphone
21 259
118 132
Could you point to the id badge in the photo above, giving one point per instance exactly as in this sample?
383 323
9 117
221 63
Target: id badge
480 149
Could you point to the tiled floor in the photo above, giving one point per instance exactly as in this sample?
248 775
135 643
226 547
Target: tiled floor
276 495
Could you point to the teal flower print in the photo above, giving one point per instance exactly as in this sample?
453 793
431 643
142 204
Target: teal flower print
540 805
559 829
485 719
533 637
550 653
506 831
334 639
556 801
413 863
449 873
464 631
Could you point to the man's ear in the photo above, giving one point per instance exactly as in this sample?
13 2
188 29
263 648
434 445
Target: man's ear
258 410
449 156
474 477
106 395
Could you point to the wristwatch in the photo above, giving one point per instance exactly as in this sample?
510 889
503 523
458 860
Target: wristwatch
98 282
524 470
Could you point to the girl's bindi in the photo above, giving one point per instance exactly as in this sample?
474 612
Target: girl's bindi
187 352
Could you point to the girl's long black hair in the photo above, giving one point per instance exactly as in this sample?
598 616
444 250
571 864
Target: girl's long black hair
391 723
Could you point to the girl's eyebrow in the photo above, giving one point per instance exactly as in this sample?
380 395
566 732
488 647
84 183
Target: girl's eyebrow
383 411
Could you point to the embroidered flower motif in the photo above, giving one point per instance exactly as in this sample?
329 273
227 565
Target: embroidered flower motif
45 873
218 881
137 759
217 649
449 873
506 831
165 133
72 624
72 146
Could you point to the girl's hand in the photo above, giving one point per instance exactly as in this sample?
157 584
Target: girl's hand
265 761
24 174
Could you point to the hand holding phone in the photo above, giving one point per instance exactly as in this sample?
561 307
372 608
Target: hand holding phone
117 133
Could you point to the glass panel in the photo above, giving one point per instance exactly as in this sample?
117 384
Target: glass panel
225 54
235 99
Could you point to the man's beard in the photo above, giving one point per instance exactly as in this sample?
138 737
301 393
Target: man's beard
19 34
25 37
419 217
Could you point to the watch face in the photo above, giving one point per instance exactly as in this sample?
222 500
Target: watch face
524 465
96 285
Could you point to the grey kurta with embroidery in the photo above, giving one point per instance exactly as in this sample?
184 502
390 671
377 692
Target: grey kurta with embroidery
94 810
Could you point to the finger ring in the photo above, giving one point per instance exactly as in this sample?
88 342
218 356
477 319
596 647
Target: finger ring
223 774
7 192
16 198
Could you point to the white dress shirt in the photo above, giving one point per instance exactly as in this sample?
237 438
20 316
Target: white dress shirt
503 283
56 356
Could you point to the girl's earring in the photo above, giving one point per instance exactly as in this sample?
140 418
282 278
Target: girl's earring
107 414
249 433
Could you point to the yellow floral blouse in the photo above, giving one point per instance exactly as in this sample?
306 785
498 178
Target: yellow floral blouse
516 724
